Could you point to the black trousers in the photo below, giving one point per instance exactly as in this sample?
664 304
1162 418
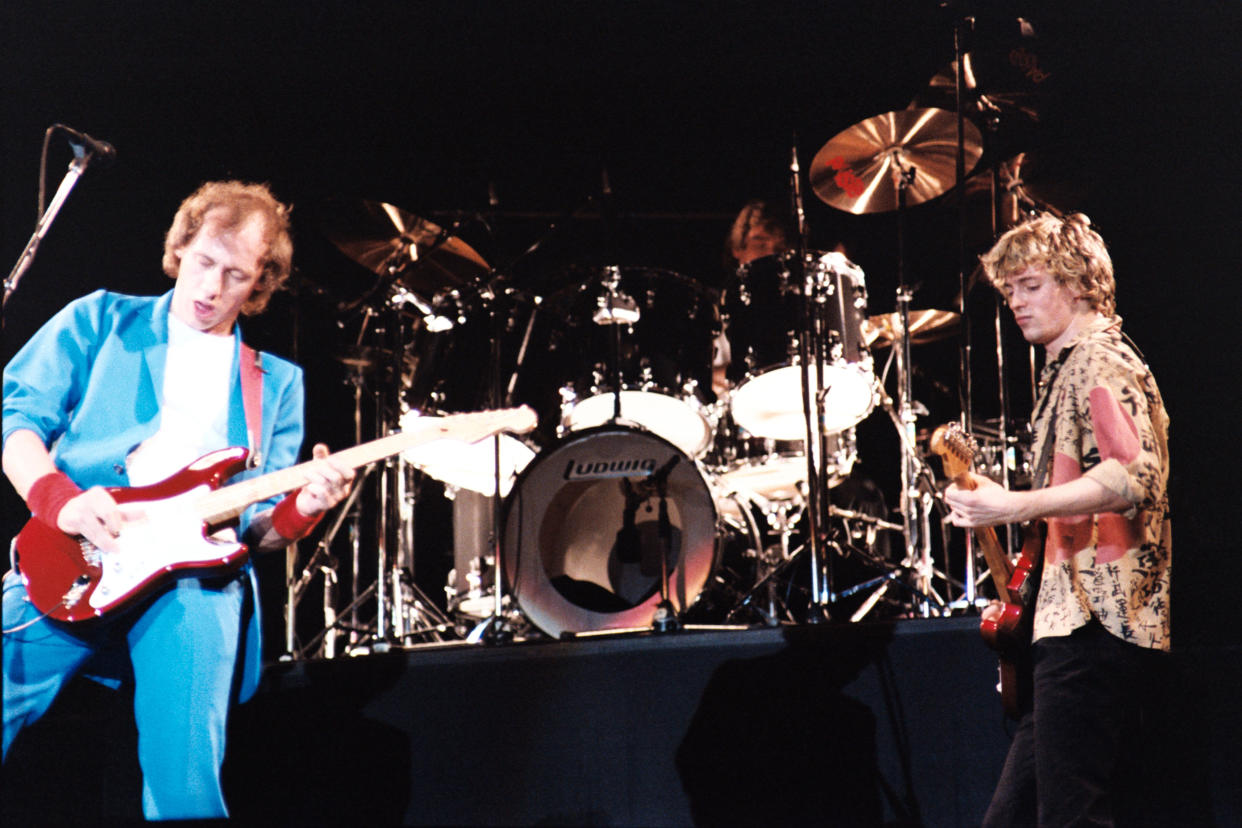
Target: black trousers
1079 755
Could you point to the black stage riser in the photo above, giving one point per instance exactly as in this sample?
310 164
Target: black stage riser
865 724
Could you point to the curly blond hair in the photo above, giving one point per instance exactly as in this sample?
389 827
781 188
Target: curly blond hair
1068 248
236 202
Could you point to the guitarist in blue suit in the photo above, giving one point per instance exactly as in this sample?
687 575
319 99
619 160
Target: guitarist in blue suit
124 391
1101 617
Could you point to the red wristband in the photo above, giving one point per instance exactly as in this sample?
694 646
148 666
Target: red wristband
290 523
49 494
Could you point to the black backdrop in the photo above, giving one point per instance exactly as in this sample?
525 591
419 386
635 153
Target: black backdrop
691 109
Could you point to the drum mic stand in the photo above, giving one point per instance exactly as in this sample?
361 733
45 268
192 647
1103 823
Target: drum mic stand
810 348
665 618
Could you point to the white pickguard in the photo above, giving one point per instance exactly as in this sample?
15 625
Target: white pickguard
168 536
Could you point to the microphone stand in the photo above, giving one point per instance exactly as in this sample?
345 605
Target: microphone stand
966 401
77 167
665 618
810 349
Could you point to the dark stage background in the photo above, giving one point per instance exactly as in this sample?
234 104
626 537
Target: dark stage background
691 108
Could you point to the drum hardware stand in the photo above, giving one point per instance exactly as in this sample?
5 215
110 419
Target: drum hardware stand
322 560
915 505
497 628
413 614
810 346
779 518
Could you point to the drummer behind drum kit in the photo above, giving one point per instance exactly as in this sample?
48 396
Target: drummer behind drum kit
627 518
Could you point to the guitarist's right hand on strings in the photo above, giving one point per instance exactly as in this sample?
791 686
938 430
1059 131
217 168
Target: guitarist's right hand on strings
97 517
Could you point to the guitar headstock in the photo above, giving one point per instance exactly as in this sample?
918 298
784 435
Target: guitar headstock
956 448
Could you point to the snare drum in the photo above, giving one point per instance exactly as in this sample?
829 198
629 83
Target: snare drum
643 332
570 566
766 317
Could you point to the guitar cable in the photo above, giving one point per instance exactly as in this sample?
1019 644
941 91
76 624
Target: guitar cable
71 598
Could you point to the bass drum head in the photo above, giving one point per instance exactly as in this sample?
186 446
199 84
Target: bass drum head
569 565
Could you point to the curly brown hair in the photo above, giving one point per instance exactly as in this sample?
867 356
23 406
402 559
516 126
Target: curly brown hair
1068 248
234 203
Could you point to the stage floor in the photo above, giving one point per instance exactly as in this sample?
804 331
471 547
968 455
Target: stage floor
836 724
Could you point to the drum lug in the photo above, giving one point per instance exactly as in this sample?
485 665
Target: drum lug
645 379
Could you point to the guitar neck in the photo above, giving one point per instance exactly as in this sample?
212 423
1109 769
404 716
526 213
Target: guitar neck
956 451
998 563
224 504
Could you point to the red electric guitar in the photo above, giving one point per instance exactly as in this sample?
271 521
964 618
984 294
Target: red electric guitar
71 579
1010 634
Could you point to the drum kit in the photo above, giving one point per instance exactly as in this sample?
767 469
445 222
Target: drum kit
647 502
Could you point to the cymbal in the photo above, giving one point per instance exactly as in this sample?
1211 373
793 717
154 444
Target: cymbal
858 169
381 237
925 326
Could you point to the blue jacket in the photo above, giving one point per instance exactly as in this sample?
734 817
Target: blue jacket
90 384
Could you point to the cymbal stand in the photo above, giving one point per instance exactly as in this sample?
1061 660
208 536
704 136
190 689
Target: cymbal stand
915 502
400 606
497 629
355 523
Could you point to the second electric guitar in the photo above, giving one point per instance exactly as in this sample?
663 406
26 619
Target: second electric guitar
1010 634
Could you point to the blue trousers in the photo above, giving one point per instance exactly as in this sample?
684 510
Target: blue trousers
182 648
1078 757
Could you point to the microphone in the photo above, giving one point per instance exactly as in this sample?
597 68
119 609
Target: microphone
660 476
101 150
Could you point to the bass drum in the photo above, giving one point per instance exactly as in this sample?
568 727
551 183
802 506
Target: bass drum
586 527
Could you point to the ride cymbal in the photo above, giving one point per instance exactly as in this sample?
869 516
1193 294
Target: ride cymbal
858 170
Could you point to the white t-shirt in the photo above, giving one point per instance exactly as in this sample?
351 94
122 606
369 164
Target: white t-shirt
194 418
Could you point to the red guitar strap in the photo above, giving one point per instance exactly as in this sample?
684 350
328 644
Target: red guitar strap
252 401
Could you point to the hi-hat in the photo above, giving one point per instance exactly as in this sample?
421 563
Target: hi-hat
383 239
925 326
859 169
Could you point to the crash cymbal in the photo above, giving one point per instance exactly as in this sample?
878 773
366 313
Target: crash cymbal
857 171
925 326
383 238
